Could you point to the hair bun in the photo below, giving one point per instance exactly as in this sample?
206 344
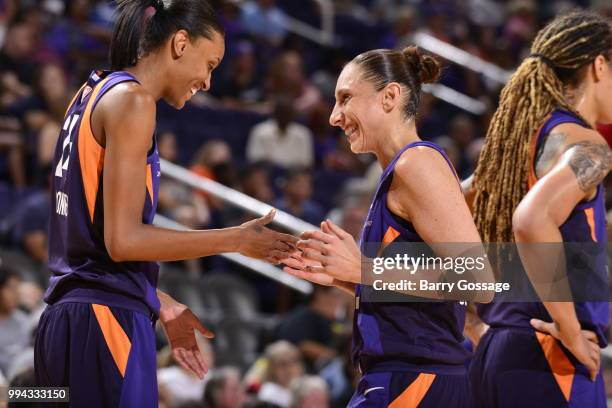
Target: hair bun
423 66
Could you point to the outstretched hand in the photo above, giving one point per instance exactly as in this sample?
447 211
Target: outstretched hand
583 345
179 324
263 243
331 251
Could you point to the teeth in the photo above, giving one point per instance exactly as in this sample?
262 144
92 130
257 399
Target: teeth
193 91
350 131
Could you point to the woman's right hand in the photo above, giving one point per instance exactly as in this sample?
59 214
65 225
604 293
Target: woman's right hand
582 344
259 242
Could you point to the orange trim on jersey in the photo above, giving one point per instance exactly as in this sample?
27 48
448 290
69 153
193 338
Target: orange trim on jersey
390 235
150 182
117 341
560 365
412 396
91 154
388 238
588 212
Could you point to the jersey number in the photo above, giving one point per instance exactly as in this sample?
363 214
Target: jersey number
63 164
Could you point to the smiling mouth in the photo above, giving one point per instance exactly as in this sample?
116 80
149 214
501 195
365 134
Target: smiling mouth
349 131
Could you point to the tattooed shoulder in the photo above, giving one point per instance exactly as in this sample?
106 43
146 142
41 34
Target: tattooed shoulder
549 152
590 162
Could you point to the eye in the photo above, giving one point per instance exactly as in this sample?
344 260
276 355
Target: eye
345 99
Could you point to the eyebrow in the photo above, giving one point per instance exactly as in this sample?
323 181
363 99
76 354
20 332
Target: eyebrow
342 92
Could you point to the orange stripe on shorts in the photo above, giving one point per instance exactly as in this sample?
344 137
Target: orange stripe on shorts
117 341
560 365
414 394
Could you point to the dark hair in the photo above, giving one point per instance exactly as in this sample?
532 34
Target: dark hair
408 67
144 25
5 275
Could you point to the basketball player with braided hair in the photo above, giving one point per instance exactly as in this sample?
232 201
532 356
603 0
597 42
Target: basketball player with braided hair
539 180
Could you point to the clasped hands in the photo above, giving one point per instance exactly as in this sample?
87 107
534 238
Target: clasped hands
326 257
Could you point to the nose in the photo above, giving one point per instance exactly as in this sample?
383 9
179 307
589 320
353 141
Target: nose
335 117
206 84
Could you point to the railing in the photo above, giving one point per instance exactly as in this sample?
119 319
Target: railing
461 57
238 199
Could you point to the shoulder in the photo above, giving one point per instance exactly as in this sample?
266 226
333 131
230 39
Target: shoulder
128 98
574 133
421 166
263 128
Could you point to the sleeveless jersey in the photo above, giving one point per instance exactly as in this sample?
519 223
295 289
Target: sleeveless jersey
403 335
585 224
81 268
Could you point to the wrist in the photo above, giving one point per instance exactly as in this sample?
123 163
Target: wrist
234 241
568 329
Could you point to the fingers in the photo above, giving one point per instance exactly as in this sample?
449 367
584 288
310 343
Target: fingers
200 361
318 246
316 256
543 326
266 219
287 239
590 336
187 362
205 331
317 235
318 278
336 230
192 362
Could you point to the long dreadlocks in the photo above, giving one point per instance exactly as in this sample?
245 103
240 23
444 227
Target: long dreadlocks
559 57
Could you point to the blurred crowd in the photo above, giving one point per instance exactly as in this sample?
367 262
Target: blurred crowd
262 129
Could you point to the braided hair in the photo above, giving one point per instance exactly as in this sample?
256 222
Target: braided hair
560 56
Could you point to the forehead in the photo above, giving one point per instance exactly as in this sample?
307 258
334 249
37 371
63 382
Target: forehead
350 79
214 48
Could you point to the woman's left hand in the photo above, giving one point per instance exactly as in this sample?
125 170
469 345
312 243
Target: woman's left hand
335 250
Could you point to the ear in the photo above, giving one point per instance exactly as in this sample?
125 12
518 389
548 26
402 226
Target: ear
391 96
179 43
600 65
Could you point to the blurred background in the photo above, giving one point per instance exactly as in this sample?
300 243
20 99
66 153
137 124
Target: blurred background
262 131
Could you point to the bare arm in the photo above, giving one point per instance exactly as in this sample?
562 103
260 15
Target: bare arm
127 117
537 219
436 208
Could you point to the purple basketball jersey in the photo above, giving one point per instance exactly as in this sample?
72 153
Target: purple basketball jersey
585 224
82 270
400 335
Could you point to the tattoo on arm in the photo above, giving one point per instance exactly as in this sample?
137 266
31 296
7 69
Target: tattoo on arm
549 152
590 162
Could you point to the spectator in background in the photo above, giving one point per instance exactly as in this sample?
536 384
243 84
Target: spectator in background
284 366
17 69
281 141
255 182
309 392
14 337
240 88
296 198
264 21
286 77
310 327
30 225
224 389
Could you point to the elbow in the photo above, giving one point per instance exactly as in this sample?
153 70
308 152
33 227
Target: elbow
116 248
524 223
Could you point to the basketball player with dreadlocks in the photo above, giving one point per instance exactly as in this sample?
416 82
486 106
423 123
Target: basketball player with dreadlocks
539 180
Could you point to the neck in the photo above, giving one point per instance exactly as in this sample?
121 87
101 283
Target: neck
585 106
394 139
149 75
